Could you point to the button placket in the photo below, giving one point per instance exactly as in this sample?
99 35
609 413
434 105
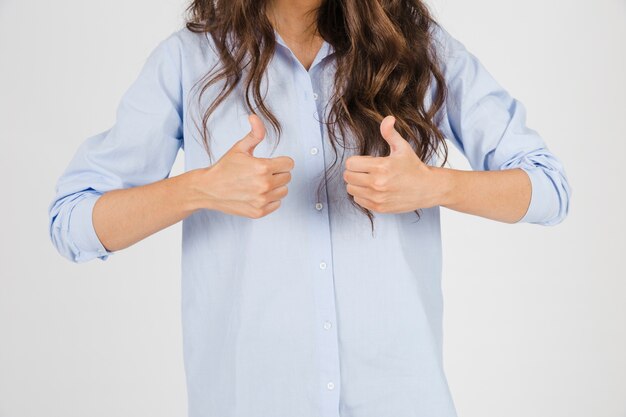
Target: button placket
323 283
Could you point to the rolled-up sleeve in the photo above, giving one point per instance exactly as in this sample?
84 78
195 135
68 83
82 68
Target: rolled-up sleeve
488 126
140 148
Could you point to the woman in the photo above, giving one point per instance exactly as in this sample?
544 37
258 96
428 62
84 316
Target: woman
324 300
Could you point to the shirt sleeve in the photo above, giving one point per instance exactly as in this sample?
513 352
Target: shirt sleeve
488 126
140 148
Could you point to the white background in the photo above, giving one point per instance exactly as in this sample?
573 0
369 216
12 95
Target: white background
535 317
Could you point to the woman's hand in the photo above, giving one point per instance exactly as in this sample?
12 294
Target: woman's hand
242 184
401 182
397 183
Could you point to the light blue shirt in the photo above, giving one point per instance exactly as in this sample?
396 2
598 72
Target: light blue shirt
302 313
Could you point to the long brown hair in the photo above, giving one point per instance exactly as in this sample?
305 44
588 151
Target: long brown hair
386 60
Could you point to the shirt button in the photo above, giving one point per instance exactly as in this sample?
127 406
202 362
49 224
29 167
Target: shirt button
328 325
314 151
318 206
330 385
315 96
322 265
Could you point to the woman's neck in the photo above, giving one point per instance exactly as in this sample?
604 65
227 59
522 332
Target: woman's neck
295 20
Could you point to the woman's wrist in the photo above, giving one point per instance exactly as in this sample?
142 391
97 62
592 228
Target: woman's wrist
189 187
447 179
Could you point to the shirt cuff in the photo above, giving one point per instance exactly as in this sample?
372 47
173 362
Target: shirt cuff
543 202
83 233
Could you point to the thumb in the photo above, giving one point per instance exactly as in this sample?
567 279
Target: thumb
254 137
396 142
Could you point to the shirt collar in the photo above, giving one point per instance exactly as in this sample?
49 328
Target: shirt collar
325 51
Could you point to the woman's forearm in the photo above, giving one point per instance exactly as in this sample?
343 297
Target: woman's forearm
498 195
238 184
124 217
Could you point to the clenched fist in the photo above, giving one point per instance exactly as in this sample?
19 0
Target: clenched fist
242 184
397 183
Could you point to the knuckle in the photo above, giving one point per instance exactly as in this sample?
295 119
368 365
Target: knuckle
256 213
260 201
264 185
270 208
379 184
364 203
262 168
378 199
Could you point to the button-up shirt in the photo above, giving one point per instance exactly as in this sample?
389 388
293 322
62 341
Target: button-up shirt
304 312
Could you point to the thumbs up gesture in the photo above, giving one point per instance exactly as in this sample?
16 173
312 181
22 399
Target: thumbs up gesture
397 183
242 184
